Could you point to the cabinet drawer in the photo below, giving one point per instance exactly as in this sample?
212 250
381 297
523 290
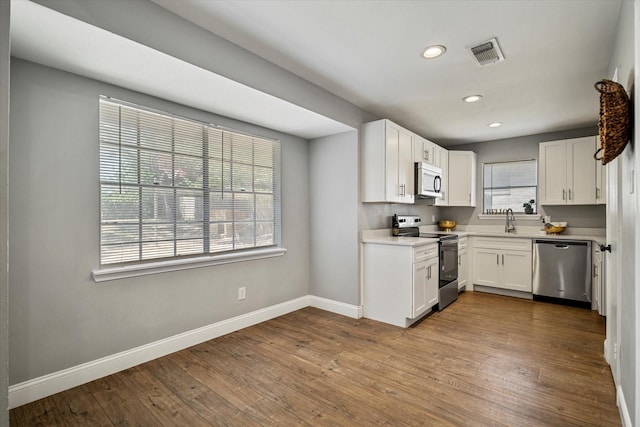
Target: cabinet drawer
502 243
425 252
462 243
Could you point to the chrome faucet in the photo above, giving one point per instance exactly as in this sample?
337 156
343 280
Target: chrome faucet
510 224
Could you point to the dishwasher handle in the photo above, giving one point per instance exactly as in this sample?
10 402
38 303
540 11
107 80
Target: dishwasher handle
561 244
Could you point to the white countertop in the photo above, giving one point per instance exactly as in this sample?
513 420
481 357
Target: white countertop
383 236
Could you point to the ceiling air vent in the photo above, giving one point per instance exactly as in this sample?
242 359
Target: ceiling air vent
487 52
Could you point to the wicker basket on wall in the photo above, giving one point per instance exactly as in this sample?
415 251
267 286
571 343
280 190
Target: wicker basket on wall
615 120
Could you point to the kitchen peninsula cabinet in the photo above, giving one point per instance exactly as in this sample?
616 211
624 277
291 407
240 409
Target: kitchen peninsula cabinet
387 163
462 178
502 263
400 282
567 172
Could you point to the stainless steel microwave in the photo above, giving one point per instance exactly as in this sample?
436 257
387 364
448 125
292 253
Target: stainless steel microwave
428 181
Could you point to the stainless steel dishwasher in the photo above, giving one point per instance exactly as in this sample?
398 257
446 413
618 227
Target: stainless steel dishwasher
562 270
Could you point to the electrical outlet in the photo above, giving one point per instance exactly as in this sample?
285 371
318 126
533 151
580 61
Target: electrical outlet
242 293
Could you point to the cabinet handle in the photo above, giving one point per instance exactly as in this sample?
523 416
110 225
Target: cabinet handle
459 259
564 194
570 196
426 155
469 197
429 277
502 259
597 193
497 259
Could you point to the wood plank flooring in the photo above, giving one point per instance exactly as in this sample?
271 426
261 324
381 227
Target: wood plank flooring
486 360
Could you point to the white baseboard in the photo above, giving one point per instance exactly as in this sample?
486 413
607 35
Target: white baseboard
624 410
46 385
337 307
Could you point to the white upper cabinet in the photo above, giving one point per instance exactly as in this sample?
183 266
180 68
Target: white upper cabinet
387 163
601 179
567 172
462 178
441 155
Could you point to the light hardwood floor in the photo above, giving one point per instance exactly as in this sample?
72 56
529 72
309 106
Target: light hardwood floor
486 360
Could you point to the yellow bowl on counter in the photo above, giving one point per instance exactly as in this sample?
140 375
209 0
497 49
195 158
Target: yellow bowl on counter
554 229
447 225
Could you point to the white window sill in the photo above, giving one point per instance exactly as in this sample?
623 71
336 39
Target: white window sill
519 217
122 272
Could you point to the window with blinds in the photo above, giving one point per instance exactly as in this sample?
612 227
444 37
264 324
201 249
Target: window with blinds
509 185
173 187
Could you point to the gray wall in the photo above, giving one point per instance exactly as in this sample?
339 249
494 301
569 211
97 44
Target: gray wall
625 56
59 317
5 7
524 148
334 217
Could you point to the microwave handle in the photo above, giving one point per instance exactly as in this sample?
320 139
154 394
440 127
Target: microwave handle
437 183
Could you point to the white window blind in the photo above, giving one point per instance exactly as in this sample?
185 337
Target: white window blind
173 187
508 185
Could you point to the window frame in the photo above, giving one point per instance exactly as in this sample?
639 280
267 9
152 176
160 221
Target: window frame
205 257
485 215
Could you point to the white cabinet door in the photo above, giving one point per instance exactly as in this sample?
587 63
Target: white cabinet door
463 268
503 263
552 176
431 290
442 157
393 191
601 179
406 169
387 163
581 171
598 289
486 267
462 178
567 172
516 271
420 286
424 150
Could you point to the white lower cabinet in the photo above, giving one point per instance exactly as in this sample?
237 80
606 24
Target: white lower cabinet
598 281
502 263
400 282
425 294
463 263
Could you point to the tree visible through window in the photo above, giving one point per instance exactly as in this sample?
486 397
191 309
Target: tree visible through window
172 187
509 185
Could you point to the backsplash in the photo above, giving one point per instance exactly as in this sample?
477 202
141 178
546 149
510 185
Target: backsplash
577 216
378 215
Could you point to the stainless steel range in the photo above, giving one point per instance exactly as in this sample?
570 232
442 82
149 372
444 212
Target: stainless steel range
408 226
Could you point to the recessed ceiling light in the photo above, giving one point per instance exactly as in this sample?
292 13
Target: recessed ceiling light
434 51
494 124
472 98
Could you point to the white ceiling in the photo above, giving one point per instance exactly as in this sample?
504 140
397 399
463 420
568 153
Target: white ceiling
368 52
